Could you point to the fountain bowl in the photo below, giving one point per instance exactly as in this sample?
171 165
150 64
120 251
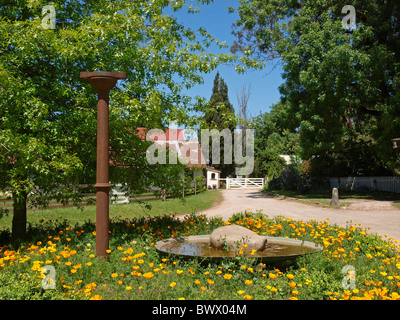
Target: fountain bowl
279 251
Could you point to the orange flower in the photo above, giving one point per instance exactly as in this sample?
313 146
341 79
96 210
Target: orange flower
209 281
227 276
148 275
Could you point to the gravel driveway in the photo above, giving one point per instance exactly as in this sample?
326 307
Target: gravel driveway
379 216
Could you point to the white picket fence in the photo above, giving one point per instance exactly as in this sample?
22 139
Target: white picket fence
240 183
390 184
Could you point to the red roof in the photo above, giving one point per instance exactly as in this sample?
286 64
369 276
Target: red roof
175 139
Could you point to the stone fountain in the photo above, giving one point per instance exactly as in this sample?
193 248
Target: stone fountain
233 240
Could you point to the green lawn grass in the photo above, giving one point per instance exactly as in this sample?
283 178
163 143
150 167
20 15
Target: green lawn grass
190 204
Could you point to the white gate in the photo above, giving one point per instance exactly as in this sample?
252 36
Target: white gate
240 183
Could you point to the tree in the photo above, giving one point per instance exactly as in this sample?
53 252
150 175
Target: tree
220 115
274 136
48 114
341 85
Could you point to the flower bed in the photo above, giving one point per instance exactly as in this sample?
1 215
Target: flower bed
353 264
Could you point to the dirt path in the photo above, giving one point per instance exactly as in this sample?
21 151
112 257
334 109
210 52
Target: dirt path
380 217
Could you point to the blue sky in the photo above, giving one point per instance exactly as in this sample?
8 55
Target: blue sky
264 83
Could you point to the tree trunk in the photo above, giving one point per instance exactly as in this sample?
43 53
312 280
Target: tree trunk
19 218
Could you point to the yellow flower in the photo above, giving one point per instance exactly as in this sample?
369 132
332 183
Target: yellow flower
128 288
290 276
181 298
247 297
227 276
219 272
172 284
179 271
240 292
73 270
114 275
148 275
249 282
197 282
119 282
89 264
108 251
292 284
96 297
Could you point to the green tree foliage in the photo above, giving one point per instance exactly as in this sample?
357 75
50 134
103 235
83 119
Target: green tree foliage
48 114
219 106
342 86
274 137
219 114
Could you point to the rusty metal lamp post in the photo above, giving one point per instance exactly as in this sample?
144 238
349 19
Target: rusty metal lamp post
103 82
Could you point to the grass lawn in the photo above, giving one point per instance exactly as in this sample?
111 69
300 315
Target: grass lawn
190 204
323 199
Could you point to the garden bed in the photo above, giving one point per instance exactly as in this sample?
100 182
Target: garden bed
352 265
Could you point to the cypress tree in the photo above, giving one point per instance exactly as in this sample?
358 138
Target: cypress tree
218 116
